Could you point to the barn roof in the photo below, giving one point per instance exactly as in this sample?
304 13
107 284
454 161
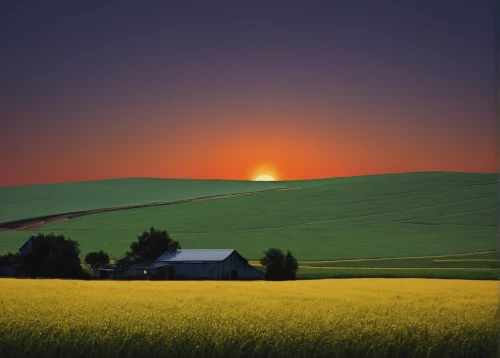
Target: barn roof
32 238
195 255
147 265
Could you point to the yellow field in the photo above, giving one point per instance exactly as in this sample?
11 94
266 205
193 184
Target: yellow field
351 317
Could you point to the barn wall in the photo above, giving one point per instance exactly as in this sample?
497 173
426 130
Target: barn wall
26 249
139 274
217 270
199 271
122 274
127 274
244 270
7 271
250 273
160 272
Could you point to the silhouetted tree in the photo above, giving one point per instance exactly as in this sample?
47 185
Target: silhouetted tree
9 258
53 256
279 266
291 266
148 247
97 259
124 261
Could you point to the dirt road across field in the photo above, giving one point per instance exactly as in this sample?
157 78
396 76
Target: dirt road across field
32 224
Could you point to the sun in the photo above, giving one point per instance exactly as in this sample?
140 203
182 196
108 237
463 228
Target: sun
264 172
265 177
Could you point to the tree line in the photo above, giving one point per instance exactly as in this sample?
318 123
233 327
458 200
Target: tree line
54 256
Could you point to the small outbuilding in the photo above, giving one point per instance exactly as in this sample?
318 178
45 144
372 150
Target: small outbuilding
225 264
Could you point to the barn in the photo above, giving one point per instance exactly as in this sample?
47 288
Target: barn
225 264
27 246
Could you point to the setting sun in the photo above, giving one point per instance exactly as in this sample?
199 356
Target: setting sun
264 177
265 172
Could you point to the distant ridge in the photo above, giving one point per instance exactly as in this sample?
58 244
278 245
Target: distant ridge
241 180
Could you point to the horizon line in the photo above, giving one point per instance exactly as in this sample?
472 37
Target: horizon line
247 180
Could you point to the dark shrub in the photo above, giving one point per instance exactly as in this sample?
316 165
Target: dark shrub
52 256
279 266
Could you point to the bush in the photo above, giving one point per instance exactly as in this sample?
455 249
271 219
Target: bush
279 266
97 259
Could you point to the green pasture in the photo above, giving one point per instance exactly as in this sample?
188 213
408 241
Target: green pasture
379 216
462 274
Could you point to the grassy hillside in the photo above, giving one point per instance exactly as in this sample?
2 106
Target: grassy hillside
361 217
36 200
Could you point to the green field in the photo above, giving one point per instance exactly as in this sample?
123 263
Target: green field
482 265
480 260
380 216
38 200
347 273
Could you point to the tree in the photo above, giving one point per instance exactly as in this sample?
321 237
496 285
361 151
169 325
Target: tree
124 261
279 266
52 256
9 258
291 265
97 259
148 247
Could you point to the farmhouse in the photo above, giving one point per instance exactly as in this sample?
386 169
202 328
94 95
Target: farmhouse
189 265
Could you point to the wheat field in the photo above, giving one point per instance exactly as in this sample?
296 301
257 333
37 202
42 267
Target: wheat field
351 317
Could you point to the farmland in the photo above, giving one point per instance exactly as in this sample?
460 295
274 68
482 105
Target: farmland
361 217
379 216
24 202
480 265
434 225
376 317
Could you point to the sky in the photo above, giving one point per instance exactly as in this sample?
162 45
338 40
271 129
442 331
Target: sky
236 89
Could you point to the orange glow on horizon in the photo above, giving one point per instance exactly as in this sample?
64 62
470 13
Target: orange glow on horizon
288 149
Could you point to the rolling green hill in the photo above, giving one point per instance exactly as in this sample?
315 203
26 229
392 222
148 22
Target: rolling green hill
360 217
38 200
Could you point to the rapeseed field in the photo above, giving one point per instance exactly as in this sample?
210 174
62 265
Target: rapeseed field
351 317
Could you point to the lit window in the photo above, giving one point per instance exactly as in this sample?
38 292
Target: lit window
145 272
